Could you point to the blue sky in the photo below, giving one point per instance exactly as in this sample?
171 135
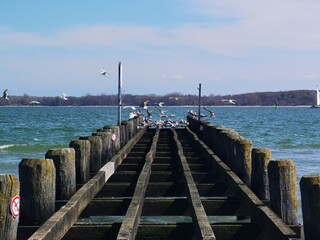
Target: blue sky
230 47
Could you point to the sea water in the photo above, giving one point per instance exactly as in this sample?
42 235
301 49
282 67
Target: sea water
289 132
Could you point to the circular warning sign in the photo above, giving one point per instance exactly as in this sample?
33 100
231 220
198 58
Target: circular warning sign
15 206
114 137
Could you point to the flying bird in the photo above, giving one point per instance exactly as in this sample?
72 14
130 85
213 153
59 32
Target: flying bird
5 94
231 101
144 104
64 96
212 115
175 98
104 72
160 104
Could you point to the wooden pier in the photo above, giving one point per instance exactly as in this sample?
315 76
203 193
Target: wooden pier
164 184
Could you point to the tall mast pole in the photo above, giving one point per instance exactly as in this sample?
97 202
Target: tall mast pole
199 105
119 93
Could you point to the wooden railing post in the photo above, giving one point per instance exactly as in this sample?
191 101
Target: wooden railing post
95 152
243 160
82 160
9 206
64 161
310 198
259 177
283 190
37 190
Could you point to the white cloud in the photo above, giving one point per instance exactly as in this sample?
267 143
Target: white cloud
257 43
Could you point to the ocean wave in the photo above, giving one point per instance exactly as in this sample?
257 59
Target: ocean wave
6 146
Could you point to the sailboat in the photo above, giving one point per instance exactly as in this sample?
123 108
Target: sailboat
318 100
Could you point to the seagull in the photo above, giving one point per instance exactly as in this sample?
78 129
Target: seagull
104 72
144 104
64 96
5 94
162 113
175 98
149 112
212 115
231 101
160 104
132 111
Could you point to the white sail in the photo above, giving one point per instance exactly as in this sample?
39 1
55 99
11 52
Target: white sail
318 97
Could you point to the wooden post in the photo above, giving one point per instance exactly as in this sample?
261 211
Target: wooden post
243 160
82 160
107 142
64 161
230 140
95 152
310 199
37 190
283 190
259 180
123 133
115 137
9 206
104 145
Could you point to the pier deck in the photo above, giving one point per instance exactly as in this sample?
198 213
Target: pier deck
164 184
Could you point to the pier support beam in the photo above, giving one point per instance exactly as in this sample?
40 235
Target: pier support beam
310 198
37 190
283 190
9 199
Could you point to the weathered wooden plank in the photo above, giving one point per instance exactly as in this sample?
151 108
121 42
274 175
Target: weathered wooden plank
130 224
200 218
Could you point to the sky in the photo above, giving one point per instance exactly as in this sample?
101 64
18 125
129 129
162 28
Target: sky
170 46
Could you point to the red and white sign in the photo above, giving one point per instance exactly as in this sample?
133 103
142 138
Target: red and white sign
15 206
114 137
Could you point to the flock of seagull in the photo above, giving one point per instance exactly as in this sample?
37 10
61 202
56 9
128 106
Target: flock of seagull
165 120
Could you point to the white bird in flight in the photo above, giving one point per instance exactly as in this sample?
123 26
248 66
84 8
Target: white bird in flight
212 115
64 96
231 101
104 72
160 104
5 94
144 104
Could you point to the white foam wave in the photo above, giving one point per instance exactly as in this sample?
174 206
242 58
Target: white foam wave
2 147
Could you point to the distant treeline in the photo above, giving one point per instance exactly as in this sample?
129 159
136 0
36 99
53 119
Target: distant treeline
283 98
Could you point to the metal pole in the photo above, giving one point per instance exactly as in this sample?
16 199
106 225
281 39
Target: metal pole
199 88
119 93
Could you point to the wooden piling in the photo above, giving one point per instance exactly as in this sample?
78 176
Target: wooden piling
107 135
105 145
64 162
115 137
95 152
283 191
259 177
9 206
310 199
243 164
37 190
123 133
82 160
